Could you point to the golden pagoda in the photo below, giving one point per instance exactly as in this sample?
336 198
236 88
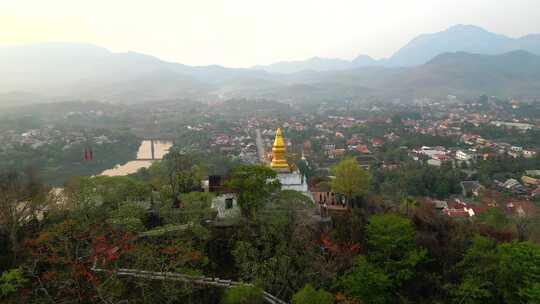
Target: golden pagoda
279 163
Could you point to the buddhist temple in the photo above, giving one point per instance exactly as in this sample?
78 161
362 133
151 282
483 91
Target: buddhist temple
290 178
279 162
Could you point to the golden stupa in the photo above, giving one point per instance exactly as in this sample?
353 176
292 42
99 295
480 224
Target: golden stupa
279 163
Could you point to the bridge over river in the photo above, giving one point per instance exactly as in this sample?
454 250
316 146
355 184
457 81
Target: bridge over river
150 150
153 149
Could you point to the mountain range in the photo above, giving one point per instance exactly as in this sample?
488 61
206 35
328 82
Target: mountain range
464 61
84 71
458 38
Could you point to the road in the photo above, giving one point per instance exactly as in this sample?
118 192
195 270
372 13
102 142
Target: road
260 146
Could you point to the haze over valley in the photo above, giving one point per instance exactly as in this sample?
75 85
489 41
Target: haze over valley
431 65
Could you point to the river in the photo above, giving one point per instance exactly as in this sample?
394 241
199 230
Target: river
145 153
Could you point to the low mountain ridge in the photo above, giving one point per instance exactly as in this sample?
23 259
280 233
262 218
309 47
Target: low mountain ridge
421 49
460 38
71 72
314 64
465 75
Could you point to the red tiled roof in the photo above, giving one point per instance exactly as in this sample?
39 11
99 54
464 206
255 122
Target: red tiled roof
362 149
456 205
377 142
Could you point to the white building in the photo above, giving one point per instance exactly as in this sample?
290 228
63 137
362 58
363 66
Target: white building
463 156
290 179
516 149
529 153
293 181
226 205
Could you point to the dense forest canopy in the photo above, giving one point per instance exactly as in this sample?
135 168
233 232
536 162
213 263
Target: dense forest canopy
379 252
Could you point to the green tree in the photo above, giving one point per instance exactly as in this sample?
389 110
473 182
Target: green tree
391 261
243 294
350 179
473 291
478 268
184 172
367 282
280 249
128 217
269 259
391 246
494 217
22 197
10 281
408 204
82 196
309 295
518 275
116 189
306 169
196 206
290 199
255 185
505 273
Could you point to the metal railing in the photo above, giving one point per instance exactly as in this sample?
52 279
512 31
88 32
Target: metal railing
172 276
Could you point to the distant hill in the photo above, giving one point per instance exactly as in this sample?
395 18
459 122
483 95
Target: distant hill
74 70
516 73
18 98
458 38
462 74
317 64
62 72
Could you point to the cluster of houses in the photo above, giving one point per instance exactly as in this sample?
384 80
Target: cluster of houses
240 144
476 199
529 185
492 148
49 134
436 156
457 208
331 132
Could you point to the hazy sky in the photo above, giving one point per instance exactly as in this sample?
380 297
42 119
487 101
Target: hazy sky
241 33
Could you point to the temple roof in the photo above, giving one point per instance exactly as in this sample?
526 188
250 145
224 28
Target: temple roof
279 162
278 141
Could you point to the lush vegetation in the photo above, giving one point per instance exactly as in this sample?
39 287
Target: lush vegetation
158 221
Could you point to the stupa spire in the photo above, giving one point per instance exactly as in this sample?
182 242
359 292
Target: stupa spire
279 162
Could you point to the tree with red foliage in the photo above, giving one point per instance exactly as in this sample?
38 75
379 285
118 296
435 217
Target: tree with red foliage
108 249
335 248
61 261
